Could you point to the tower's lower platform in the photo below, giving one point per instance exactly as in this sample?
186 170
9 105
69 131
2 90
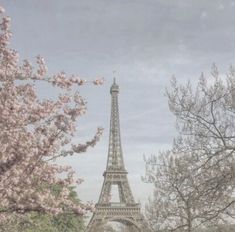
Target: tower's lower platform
129 215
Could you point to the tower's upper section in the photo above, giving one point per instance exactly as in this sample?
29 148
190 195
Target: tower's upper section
115 158
114 88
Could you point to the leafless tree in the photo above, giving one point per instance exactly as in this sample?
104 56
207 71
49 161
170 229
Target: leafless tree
194 181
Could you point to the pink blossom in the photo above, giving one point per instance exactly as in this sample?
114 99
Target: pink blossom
99 81
2 10
34 131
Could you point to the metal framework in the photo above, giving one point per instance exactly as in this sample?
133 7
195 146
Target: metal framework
126 211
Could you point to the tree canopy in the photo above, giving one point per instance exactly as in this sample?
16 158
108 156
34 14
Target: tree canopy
194 181
34 132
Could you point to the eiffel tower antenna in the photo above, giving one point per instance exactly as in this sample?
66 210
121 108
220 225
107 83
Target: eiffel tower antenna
126 211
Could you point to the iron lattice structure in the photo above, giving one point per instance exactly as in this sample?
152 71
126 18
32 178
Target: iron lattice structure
126 211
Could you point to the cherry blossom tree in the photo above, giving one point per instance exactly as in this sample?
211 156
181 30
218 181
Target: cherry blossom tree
34 132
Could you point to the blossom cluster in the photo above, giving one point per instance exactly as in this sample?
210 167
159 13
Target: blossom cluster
35 131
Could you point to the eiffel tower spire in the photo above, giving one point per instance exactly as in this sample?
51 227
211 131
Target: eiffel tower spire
126 211
115 157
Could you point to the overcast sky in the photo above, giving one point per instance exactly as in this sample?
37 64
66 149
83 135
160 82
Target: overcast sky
146 42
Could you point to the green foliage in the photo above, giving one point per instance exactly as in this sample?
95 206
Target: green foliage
38 222
35 222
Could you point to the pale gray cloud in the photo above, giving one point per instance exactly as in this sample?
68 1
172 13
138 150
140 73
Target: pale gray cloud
146 42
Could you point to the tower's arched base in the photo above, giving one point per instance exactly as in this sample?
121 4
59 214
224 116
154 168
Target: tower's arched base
127 214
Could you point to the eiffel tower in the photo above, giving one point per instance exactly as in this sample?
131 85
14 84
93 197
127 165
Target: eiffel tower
126 211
